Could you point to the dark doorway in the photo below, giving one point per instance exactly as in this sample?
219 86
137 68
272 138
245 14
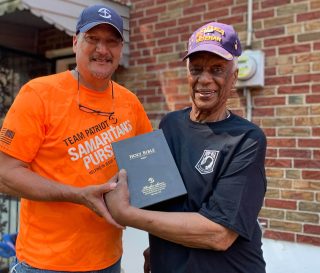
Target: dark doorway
16 68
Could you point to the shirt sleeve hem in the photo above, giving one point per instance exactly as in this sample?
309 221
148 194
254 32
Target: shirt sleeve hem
225 224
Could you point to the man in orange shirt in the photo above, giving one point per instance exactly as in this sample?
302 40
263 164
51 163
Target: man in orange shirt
56 154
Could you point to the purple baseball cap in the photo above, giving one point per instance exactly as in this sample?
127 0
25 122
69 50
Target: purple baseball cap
217 38
99 14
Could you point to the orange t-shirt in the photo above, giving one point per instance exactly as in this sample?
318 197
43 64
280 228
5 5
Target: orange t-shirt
46 128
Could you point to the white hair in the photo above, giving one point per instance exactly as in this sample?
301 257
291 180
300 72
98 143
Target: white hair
235 63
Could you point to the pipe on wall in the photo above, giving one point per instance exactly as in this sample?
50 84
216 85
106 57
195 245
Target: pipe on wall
246 91
247 94
249 25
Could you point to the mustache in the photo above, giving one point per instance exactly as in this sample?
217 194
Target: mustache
101 58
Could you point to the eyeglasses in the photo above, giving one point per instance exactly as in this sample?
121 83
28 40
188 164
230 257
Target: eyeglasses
83 108
94 40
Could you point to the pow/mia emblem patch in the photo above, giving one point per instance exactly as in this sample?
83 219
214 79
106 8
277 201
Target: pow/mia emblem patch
207 161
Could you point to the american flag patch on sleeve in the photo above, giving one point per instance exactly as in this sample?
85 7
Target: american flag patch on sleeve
6 136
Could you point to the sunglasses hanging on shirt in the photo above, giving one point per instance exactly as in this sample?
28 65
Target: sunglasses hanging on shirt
84 108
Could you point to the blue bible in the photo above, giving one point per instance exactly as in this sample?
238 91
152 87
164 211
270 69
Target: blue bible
153 176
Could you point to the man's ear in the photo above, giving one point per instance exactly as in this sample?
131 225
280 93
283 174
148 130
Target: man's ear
74 43
235 77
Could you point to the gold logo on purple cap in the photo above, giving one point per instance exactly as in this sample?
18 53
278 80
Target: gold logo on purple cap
210 29
202 38
202 34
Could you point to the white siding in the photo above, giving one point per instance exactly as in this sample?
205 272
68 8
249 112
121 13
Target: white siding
63 14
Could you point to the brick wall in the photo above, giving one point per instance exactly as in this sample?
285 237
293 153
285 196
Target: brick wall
287 109
52 38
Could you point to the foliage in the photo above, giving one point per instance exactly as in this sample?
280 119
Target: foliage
6 97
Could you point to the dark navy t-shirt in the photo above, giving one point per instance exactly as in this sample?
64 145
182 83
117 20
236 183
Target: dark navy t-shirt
222 165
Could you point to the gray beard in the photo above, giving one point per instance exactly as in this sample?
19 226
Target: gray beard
101 76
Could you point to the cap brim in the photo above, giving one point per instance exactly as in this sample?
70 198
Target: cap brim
212 49
93 24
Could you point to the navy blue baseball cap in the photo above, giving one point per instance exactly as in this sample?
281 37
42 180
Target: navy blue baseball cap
99 14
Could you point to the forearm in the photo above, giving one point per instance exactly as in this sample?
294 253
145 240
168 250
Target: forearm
8 191
21 182
18 180
188 229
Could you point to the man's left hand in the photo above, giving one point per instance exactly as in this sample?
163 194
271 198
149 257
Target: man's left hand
117 200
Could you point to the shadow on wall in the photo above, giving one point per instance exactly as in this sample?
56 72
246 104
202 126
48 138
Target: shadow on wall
280 256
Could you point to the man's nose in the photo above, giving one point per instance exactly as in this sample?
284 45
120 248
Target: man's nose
205 77
102 47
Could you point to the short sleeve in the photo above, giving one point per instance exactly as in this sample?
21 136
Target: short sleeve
23 129
238 196
143 122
